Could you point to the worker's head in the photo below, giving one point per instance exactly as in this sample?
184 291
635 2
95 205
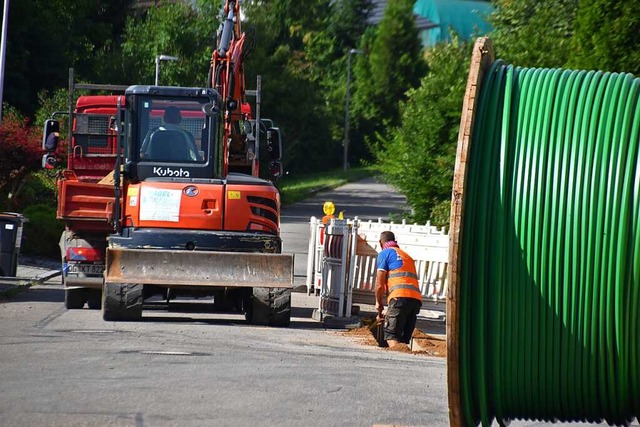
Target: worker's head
172 115
387 236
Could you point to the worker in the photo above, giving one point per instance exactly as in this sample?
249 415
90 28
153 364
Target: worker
398 281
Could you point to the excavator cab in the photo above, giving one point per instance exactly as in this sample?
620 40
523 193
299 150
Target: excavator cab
171 131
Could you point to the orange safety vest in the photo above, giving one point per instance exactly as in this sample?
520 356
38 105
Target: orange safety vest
403 282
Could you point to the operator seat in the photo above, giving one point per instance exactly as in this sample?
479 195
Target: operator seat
169 145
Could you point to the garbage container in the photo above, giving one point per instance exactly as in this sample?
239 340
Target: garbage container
10 238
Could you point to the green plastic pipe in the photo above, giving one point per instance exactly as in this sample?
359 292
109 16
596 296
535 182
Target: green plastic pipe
550 260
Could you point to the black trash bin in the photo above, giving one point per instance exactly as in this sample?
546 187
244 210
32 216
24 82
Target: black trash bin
10 238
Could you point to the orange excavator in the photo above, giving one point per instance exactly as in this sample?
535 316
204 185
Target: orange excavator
183 212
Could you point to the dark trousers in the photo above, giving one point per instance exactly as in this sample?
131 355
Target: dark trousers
400 319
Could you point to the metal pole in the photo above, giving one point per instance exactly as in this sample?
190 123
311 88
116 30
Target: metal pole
345 164
157 68
256 162
163 58
3 49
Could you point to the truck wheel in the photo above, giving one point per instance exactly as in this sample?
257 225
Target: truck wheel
74 299
121 302
94 301
281 308
269 306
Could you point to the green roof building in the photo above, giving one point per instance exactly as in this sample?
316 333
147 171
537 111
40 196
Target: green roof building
468 18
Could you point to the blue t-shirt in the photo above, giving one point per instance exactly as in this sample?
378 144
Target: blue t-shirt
388 259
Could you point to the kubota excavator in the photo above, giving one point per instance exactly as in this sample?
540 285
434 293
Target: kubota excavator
178 218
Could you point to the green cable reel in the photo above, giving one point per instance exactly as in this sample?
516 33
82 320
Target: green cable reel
545 303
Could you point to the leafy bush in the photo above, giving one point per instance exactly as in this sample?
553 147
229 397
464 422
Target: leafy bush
20 153
606 36
39 188
418 157
533 33
42 231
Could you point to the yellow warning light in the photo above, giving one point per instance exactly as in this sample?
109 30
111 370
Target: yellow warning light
328 208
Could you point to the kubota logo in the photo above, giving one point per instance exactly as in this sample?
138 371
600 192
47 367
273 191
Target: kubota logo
178 173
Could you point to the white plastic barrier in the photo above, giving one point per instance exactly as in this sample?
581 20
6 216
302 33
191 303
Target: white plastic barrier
427 245
337 254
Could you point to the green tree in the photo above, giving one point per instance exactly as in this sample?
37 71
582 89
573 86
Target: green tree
291 96
418 157
607 36
391 65
49 103
175 29
532 33
328 49
45 38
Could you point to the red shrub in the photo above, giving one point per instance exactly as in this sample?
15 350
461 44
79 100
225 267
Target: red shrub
20 154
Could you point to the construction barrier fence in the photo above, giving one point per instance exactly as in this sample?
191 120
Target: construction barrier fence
341 266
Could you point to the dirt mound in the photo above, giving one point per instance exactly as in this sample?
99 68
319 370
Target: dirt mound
422 343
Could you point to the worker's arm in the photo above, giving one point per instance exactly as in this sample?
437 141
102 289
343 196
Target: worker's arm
381 290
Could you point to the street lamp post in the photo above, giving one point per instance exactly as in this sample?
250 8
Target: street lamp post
163 58
3 50
345 164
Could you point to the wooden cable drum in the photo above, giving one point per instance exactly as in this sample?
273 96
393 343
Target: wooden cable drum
543 306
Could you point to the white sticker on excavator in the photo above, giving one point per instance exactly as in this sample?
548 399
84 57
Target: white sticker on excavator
160 205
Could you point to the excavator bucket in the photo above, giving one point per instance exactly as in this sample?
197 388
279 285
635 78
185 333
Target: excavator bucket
198 268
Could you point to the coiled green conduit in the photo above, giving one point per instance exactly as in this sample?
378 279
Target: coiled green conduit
550 278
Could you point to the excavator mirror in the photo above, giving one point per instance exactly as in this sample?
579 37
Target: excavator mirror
49 161
211 110
113 125
51 135
232 104
274 144
275 168
247 127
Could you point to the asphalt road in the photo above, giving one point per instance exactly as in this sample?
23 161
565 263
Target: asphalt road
185 367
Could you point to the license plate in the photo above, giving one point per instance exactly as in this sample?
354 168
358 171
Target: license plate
92 269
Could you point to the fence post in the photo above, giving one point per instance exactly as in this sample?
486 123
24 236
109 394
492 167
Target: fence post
311 257
353 241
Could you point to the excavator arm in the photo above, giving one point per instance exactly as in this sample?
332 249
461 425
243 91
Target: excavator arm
228 80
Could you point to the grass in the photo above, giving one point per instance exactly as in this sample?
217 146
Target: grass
296 188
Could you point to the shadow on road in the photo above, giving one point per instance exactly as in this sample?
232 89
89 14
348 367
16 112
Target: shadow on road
33 293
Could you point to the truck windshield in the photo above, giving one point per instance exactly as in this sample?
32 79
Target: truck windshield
173 130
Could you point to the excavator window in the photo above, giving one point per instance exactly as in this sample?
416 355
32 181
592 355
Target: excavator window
174 134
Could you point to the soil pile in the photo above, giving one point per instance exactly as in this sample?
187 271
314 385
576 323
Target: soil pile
422 343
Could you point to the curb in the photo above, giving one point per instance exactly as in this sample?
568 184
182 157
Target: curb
12 286
334 322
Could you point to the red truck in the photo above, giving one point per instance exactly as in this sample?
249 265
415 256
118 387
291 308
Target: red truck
85 200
